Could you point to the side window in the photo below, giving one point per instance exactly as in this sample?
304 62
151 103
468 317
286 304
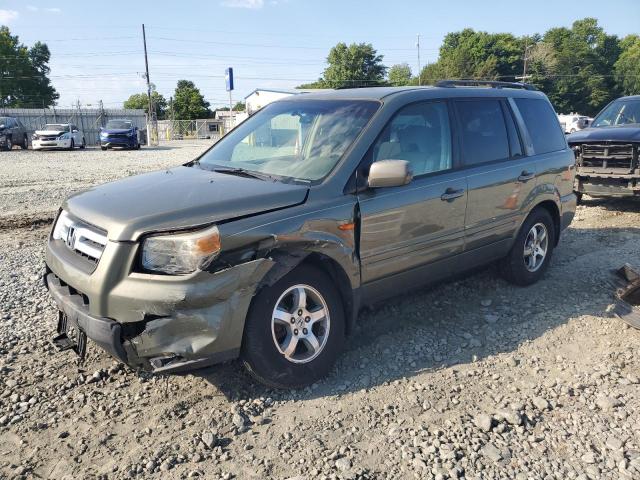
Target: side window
10 123
420 134
542 123
483 131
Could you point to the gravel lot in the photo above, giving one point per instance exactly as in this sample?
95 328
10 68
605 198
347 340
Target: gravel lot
472 379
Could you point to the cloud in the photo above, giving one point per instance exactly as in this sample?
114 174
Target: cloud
7 16
253 4
53 10
32 8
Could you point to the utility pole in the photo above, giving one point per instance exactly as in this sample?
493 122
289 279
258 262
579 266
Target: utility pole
525 60
146 66
418 47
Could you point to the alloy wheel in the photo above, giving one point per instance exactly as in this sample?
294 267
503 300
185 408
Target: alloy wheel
536 246
300 323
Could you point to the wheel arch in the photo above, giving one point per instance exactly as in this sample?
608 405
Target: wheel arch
551 207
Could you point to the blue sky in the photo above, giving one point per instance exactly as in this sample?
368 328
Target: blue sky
97 45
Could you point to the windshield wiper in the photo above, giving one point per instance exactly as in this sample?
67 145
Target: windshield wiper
242 172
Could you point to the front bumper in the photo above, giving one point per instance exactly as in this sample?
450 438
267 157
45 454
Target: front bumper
118 142
608 185
42 144
158 323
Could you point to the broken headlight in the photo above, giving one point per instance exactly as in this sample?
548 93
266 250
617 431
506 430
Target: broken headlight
181 253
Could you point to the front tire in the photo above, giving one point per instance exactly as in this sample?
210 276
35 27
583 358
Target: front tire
25 142
72 145
9 145
294 330
531 252
84 144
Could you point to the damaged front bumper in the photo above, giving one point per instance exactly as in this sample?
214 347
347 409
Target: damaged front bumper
157 323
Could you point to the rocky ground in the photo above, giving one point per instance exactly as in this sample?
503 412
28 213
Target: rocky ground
472 379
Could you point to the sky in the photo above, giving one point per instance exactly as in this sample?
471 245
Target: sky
97 50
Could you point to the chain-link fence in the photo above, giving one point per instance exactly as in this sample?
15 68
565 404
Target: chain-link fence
88 120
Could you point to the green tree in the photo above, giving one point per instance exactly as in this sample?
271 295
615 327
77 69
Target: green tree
574 67
627 67
188 102
140 101
356 65
24 71
400 75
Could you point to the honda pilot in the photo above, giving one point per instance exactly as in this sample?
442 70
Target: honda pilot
267 245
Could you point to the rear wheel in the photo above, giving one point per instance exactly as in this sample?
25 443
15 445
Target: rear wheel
84 143
72 145
294 330
25 142
530 254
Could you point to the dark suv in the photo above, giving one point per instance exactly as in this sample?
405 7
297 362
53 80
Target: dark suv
267 245
12 132
607 153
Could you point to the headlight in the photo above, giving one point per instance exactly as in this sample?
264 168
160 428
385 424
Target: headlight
103 135
35 136
181 253
62 226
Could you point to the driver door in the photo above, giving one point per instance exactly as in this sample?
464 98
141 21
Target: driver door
422 223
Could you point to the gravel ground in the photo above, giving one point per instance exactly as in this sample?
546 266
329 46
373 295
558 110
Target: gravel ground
472 379
33 184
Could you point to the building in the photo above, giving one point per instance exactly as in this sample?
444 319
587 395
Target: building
264 96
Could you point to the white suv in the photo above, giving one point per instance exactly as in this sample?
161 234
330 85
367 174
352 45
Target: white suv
58 135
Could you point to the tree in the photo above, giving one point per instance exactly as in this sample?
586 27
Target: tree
627 67
140 101
356 65
188 102
24 71
400 75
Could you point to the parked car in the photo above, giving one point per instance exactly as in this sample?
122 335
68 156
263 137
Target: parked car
574 122
58 135
119 133
12 132
607 152
267 245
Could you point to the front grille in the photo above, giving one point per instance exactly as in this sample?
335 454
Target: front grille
81 238
48 138
610 156
117 135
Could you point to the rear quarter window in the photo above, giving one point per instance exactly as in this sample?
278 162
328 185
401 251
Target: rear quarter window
542 123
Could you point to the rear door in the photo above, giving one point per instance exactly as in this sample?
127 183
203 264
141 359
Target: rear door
500 177
413 225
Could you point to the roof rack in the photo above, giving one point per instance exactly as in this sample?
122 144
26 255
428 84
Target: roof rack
484 83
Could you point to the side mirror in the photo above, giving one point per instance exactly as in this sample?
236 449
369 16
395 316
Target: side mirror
74 131
389 173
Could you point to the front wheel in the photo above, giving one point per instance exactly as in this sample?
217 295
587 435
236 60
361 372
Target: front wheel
294 330
531 252
25 142
9 145
72 145
83 144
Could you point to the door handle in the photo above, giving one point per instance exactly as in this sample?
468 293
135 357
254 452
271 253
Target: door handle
451 194
525 176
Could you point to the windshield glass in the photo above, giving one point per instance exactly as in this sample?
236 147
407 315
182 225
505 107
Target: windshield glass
623 112
3 120
299 139
119 124
57 127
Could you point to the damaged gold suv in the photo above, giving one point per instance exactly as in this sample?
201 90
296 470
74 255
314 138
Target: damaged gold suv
266 246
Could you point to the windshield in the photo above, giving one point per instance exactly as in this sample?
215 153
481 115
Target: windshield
119 124
56 127
299 139
622 112
3 120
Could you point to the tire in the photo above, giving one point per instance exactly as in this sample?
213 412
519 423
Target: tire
9 145
517 267
103 148
579 200
84 144
72 145
138 146
265 338
25 142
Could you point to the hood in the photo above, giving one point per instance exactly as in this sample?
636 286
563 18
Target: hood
116 130
178 198
625 133
50 132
